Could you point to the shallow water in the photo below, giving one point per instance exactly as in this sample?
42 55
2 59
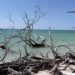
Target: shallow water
60 37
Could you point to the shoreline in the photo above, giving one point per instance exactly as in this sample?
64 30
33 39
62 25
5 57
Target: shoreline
32 65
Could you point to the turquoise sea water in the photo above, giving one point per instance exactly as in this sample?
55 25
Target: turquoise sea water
60 37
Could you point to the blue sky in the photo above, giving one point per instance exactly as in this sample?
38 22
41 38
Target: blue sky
56 16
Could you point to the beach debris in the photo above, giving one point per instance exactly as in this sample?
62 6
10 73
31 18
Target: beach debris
2 46
38 66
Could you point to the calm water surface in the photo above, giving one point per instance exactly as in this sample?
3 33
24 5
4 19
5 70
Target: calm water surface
60 37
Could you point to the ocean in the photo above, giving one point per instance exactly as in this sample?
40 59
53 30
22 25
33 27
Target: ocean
59 37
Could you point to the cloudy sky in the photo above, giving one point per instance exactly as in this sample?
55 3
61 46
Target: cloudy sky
55 13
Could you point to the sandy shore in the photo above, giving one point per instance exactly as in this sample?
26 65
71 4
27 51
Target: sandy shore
46 72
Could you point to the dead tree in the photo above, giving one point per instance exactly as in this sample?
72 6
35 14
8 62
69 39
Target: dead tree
25 34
